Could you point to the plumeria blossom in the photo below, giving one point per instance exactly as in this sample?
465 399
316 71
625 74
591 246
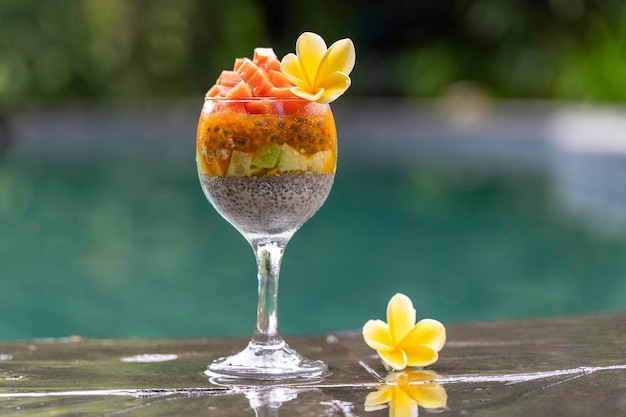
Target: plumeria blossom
401 342
318 73
404 391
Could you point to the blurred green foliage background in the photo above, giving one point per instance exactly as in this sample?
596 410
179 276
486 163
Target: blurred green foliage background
104 230
102 49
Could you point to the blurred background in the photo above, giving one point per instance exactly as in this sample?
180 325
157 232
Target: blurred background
482 165
113 49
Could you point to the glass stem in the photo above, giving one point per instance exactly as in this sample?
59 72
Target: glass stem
269 254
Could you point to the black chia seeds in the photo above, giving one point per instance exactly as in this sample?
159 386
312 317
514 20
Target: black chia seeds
268 205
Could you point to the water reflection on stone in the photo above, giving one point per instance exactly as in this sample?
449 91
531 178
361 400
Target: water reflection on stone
264 397
266 401
404 391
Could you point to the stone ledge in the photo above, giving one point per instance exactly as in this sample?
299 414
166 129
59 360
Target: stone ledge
572 366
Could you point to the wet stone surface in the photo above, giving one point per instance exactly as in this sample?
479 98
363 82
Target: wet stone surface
572 366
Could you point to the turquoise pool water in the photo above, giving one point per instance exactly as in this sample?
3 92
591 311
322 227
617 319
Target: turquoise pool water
125 246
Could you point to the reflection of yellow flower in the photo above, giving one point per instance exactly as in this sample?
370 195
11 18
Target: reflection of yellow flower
319 74
406 390
400 342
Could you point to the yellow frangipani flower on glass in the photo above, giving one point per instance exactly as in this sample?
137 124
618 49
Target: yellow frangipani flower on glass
318 73
401 342
404 391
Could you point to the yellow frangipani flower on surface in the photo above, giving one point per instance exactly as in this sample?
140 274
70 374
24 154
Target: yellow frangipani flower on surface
401 342
404 391
318 73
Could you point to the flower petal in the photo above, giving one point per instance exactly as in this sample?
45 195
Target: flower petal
340 57
415 376
304 93
378 399
430 395
377 336
320 73
400 316
420 355
310 48
396 359
402 405
427 332
334 86
290 67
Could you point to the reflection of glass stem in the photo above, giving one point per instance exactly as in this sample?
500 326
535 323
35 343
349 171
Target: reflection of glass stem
266 402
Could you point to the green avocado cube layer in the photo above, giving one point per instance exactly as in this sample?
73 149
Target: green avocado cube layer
319 160
239 164
266 156
291 160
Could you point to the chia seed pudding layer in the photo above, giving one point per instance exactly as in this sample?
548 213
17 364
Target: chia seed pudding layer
267 205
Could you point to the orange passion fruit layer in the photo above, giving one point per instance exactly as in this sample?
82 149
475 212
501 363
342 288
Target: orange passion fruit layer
265 137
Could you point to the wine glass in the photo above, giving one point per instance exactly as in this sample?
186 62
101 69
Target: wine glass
266 165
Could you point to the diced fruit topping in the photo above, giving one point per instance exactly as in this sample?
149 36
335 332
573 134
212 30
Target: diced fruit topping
260 84
229 78
291 160
266 156
278 159
257 107
256 77
322 161
239 164
266 59
278 79
240 90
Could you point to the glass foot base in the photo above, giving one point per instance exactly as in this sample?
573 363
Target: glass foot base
275 363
